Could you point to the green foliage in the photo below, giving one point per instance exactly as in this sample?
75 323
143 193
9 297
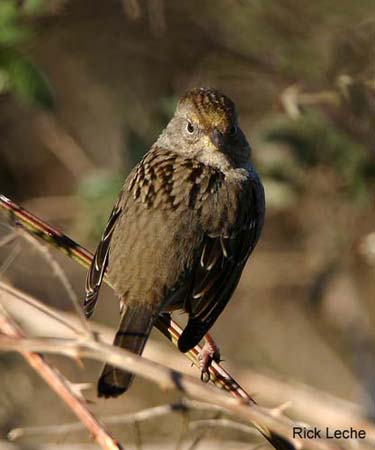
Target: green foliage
11 31
24 79
18 75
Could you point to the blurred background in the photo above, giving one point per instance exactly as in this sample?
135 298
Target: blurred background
85 89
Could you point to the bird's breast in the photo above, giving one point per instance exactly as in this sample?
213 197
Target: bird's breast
167 181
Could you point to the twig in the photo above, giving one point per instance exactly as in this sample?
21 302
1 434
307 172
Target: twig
197 440
366 248
8 238
42 230
61 276
184 429
292 99
218 375
63 146
222 423
322 408
60 385
123 419
138 436
58 316
166 378
202 432
10 258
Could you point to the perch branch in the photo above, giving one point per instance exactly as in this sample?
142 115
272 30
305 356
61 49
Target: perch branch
87 347
123 419
323 408
60 274
60 385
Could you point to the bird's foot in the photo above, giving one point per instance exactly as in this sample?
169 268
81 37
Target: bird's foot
210 352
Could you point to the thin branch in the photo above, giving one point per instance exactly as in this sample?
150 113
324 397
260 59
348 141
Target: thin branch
16 250
222 423
197 440
60 385
366 248
138 436
118 419
184 428
60 274
218 375
62 145
44 231
292 99
8 238
341 414
59 317
166 378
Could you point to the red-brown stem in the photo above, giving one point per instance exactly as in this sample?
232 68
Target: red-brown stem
62 388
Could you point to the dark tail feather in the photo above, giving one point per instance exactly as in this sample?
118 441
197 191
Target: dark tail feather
194 331
135 328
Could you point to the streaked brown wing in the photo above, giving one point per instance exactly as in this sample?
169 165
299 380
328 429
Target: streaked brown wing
99 264
217 274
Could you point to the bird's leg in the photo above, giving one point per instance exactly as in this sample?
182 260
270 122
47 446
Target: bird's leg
210 352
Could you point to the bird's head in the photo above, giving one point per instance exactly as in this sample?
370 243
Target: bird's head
205 124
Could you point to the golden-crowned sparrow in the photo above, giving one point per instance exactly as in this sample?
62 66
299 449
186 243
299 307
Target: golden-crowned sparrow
188 217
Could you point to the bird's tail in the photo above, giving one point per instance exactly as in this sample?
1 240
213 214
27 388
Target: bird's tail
134 329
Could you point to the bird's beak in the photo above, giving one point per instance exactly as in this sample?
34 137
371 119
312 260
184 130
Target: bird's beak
217 139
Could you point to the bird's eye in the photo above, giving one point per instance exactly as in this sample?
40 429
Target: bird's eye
233 130
190 127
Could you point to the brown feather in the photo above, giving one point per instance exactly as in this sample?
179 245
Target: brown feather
98 266
213 287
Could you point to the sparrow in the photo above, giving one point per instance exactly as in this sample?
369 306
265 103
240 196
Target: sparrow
186 220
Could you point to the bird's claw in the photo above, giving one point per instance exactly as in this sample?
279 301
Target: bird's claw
210 352
205 376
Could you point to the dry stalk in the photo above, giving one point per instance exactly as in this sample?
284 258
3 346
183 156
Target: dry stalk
42 320
166 378
60 385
